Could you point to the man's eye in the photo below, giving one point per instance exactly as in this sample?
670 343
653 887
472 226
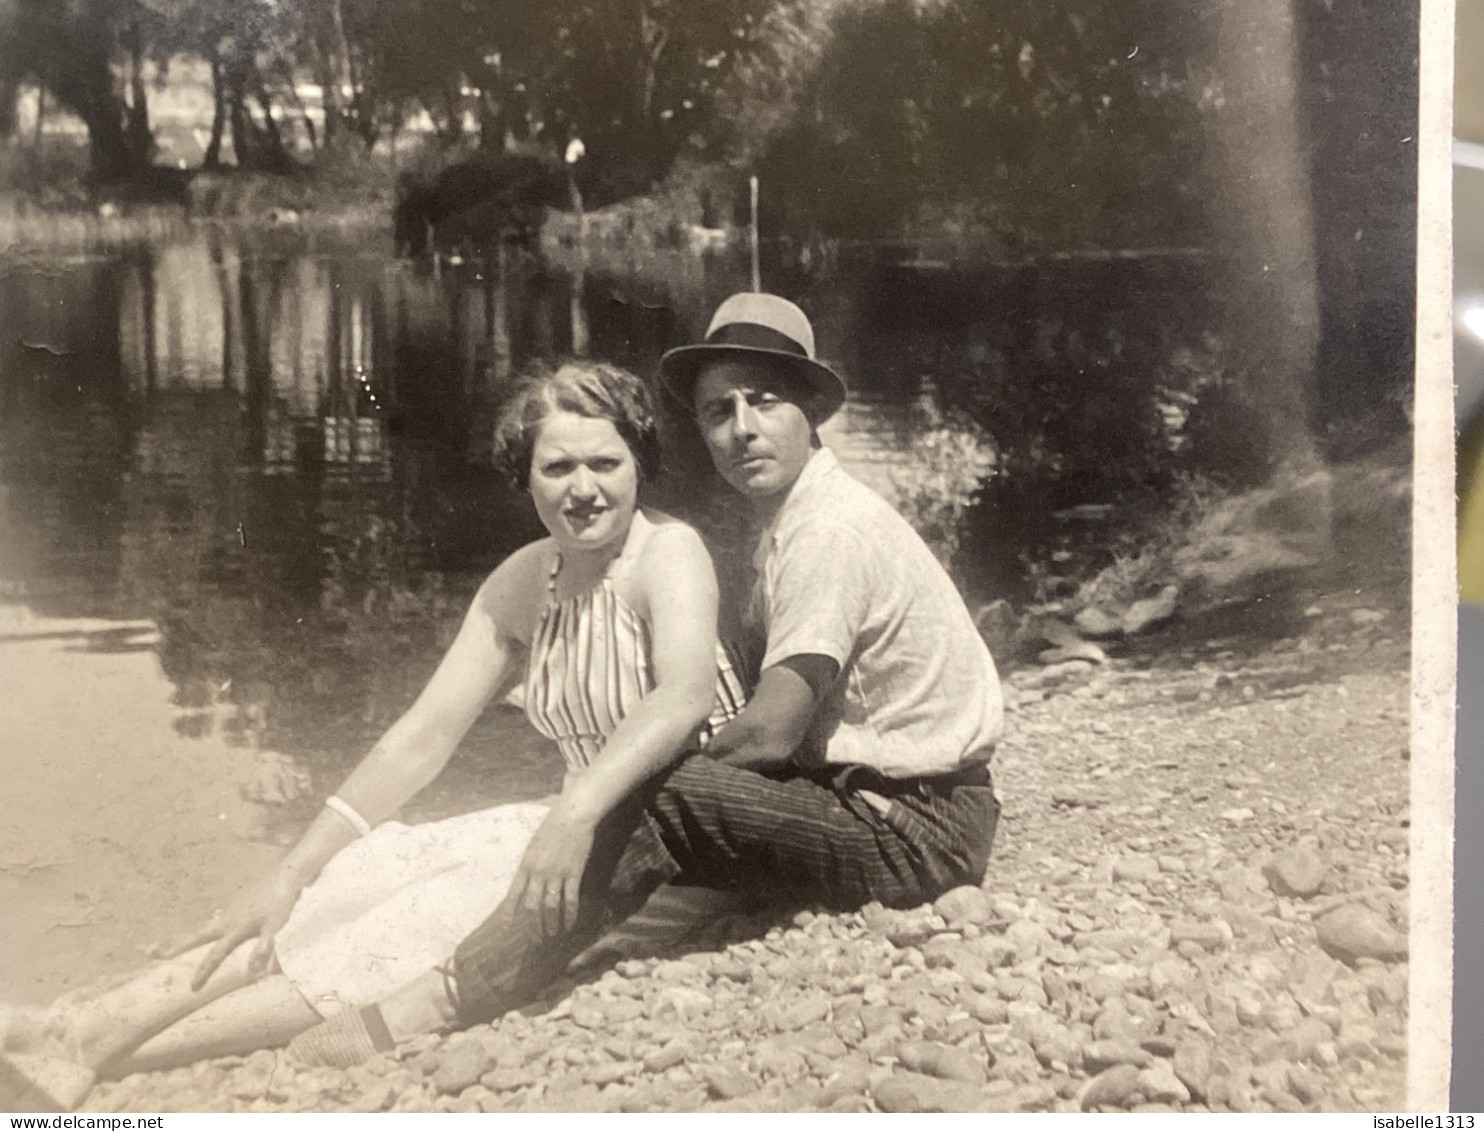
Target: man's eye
766 400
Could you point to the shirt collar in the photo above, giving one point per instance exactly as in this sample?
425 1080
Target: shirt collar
822 463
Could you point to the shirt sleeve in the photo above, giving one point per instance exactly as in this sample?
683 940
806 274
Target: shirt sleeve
818 584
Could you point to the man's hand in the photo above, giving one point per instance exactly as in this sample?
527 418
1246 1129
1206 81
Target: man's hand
549 879
261 911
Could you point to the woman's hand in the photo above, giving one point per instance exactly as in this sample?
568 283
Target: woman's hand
549 879
261 912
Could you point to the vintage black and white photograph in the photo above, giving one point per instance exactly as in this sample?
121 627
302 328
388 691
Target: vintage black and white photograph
728 555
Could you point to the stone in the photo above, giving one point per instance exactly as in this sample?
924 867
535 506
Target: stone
1110 1088
462 1064
1028 938
987 1010
728 1083
1101 1054
943 1061
961 905
610 1072
915 1092
1080 650
1296 874
1354 931
1143 615
1237 816
1160 1084
1136 869
1192 1064
1207 936
1093 621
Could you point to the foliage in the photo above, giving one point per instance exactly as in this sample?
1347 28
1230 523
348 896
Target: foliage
951 459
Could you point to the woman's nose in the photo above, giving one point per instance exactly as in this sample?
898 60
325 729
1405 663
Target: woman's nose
583 483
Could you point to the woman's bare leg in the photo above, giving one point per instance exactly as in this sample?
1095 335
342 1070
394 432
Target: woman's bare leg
97 1029
260 1015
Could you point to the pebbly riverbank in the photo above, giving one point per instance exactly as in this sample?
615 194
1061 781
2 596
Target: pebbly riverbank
1198 901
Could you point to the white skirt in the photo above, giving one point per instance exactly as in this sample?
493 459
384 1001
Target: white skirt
397 902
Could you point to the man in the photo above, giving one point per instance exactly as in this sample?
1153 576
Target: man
858 769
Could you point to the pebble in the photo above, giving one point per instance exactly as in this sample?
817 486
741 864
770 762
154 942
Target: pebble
1298 873
1109 1088
462 1063
1354 932
1098 1055
1160 1084
728 1083
963 905
1136 869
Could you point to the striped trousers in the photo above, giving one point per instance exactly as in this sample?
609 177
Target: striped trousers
809 839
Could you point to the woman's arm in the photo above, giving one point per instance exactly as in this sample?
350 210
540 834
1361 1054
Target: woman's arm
484 659
677 589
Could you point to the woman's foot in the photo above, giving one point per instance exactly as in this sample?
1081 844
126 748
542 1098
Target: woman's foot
29 1082
42 1067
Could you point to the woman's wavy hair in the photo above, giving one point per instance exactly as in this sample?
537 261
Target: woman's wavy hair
588 388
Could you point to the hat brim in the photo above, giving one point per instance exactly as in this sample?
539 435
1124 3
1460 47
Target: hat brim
680 367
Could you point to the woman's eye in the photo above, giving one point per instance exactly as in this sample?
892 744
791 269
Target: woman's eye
603 466
557 468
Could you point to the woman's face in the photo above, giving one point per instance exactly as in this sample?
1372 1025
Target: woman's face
585 482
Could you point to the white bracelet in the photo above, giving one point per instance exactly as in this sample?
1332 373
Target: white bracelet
354 819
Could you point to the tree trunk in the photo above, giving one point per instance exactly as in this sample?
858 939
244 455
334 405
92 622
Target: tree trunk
213 156
10 87
139 136
1265 222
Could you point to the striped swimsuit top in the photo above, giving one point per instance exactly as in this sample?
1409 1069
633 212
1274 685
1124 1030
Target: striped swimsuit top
590 663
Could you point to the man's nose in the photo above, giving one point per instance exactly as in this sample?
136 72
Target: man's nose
744 418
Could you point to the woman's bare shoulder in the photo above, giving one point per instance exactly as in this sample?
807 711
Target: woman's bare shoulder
508 593
669 535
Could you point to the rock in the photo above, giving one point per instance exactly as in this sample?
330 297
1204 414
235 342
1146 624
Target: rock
963 905
675 1052
462 1064
1098 1055
728 1083
1109 1088
1193 1064
1028 938
1143 615
1076 797
1160 1084
1093 622
1055 673
1237 816
1296 874
987 1010
1081 650
1207 936
940 1060
914 1092
1354 931
1136 869
611 1072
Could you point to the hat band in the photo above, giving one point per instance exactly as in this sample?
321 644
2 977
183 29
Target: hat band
752 336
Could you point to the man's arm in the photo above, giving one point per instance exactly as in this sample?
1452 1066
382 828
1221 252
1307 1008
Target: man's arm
773 724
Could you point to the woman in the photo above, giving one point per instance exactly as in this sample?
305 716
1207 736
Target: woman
611 620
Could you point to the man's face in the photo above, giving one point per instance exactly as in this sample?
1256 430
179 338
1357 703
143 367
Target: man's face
750 417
